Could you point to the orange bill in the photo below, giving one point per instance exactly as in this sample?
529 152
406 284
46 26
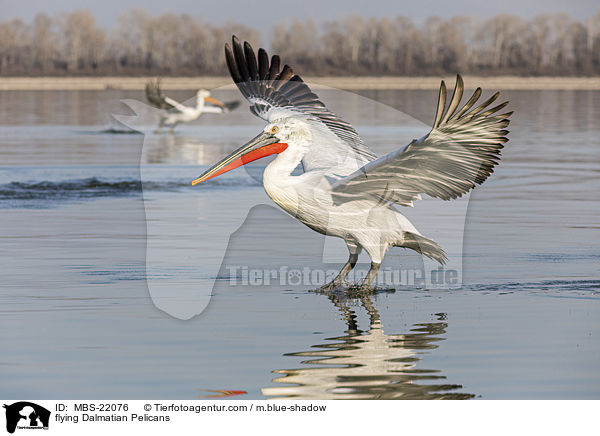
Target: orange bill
214 101
261 146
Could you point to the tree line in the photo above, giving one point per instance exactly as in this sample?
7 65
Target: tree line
169 44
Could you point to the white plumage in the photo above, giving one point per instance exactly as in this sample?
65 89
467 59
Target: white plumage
175 113
345 190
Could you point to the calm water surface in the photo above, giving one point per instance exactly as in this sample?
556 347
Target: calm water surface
77 320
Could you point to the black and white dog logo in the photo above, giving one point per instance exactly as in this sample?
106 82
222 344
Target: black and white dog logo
26 415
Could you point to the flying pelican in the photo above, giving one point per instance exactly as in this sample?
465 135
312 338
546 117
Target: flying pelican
179 113
345 190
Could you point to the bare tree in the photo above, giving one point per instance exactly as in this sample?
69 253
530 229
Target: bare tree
298 42
43 43
83 43
14 47
171 44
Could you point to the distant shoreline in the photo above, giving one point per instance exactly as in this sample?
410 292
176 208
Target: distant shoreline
349 83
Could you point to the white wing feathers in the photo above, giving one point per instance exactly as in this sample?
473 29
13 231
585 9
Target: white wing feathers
460 151
176 104
274 92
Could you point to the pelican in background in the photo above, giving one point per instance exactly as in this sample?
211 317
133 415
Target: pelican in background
177 113
345 190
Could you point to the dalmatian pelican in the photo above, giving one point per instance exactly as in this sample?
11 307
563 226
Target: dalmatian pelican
345 190
176 113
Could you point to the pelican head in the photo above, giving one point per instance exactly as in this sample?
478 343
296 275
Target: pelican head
204 96
276 137
294 131
203 93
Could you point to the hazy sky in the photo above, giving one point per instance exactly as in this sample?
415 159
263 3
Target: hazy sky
261 13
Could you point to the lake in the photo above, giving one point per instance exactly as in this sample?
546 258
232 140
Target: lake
121 280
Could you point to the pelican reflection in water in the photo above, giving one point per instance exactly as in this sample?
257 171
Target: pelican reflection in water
368 364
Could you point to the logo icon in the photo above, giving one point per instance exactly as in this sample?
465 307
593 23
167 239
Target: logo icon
26 415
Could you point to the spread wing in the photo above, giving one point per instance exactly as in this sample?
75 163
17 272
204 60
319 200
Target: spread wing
155 96
460 151
274 93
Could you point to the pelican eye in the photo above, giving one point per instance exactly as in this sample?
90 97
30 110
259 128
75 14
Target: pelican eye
274 129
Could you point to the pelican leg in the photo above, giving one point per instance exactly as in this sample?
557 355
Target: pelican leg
368 281
172 127
348 266
161 123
